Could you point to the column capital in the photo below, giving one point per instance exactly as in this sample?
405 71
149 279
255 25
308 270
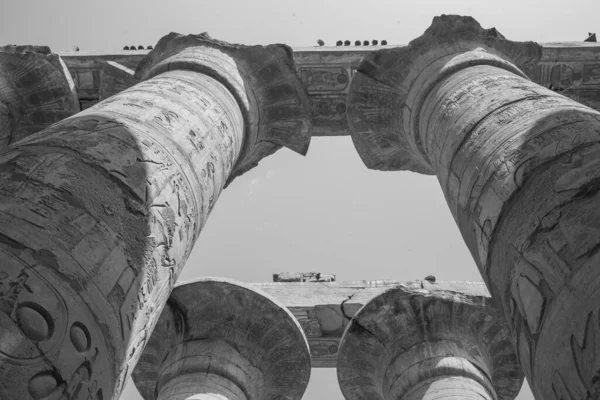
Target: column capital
36 90
390 85
232 331
263 79
405 339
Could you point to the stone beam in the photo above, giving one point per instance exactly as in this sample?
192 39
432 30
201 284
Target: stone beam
100 211
419 344
36 91
518 165
223 339
324 309
570 68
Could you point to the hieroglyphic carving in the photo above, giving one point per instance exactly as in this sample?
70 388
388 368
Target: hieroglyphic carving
323 350
114 221
323 78
36 90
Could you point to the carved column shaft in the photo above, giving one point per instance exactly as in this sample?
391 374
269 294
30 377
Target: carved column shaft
99 212
519 166
98 216
185 387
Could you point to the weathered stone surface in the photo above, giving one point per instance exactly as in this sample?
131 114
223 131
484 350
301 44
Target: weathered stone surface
222 338
86 68
36 91
326 73
98 215
518 164
115 79
389 83
418 344
100 211
324 311
573 70
263 79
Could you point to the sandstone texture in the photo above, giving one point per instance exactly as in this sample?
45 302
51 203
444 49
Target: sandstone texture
99 212
222 339
36 90
517 163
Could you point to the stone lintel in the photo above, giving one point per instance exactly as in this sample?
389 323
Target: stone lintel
36 90
263 79
324 309
115 79
326 72
406 338
241 334
389 87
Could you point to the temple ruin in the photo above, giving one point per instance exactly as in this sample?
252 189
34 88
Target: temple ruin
112 162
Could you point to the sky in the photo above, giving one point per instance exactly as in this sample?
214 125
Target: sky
324 212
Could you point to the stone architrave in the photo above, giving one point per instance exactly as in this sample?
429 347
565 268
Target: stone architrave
520 169
115 79
99 212
36 90
416 344
221 339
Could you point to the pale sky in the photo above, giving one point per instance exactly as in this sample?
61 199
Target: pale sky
323 212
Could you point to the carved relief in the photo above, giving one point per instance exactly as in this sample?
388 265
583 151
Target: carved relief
324 78
560 389
585 355
563 76
591 74
46 386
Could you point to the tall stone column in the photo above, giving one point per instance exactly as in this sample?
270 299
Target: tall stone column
416 344
36 90
220 339
519 166
99 212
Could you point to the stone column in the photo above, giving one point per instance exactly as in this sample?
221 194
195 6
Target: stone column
519 166
220 339
36 90
416 344
99 212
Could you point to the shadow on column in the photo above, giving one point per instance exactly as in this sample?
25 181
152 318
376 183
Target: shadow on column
217 338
